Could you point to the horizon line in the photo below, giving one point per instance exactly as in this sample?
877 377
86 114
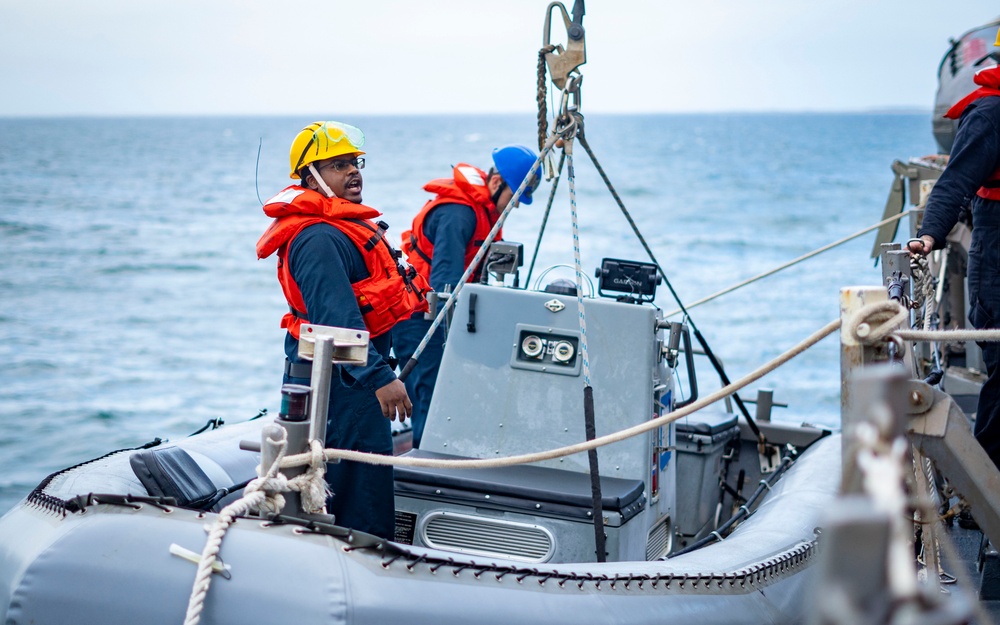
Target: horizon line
887 110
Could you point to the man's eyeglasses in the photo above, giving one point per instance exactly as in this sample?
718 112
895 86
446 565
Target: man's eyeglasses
340 165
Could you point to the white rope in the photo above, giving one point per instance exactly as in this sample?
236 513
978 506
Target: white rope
870 324
203 578
608 439
584 355
923 284
875 322
987 336
262 495
789 263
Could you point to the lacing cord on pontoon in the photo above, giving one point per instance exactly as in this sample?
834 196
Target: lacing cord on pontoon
261 495
39 498
754 576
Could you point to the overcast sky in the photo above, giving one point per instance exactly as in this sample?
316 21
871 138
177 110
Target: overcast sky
249 57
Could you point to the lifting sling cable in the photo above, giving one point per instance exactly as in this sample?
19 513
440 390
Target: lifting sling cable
563 65
476 260
545 218
588 390
697 333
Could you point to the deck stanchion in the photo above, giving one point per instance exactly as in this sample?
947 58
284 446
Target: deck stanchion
322 371
854 354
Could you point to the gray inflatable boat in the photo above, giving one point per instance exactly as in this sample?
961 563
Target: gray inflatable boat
111 541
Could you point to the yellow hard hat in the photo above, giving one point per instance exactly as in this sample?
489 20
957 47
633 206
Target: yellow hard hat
997 42
322 140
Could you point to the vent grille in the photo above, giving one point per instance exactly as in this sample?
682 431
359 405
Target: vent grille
488 537
658 543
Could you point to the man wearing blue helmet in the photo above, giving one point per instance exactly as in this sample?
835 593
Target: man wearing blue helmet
446 234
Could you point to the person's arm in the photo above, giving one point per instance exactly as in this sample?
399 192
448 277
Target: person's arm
450 228
324 262
975 155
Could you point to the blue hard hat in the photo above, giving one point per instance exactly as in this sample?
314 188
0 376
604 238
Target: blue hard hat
513 163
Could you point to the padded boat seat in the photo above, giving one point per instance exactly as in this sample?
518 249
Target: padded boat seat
522 487
174 472
707 428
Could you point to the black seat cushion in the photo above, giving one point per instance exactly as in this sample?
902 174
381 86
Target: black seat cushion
707 423
538 484
172 472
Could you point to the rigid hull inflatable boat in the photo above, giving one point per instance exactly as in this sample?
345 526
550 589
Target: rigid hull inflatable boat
110 540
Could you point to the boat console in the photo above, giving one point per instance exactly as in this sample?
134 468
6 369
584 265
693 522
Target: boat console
511 382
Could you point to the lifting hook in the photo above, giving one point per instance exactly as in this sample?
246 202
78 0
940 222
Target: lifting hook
563 62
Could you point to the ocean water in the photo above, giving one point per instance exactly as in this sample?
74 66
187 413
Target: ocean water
132 305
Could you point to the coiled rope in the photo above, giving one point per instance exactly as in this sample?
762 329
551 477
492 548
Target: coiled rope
261 495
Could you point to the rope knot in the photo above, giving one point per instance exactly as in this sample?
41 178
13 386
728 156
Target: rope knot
269 491
874 322
311 485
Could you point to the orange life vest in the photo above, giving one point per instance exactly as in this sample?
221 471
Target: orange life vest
989 86
466 187
391 293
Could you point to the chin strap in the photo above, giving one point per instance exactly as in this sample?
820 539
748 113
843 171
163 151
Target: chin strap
496 196
324 189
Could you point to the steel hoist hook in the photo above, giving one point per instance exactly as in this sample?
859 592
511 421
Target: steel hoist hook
562 62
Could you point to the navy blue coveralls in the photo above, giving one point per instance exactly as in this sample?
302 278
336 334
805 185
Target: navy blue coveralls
449 228
324 263
975 155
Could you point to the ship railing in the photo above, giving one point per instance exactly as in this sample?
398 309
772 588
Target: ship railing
899 433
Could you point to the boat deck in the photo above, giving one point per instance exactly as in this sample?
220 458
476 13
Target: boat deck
977 568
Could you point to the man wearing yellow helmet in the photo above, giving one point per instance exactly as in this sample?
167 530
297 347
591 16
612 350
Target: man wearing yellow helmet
336 268
973 176
444 238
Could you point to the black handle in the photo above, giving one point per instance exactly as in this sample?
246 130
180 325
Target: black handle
689 362
471 326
